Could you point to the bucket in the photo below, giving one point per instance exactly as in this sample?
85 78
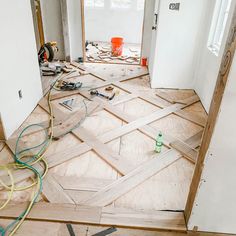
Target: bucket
117 46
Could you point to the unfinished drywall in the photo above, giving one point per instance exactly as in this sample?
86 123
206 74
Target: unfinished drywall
19 64
208 62
108 18
178 35
52 25
214 208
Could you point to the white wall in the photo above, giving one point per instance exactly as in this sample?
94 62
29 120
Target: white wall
177 42
103 23
215 206
208 67
147 27
19 64
52 25
75 28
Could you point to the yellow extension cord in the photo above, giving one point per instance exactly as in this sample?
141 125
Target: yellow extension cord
40 158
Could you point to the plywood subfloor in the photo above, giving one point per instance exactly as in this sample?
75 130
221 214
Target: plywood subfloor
109 161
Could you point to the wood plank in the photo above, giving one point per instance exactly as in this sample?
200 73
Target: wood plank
134 178
2 145
141 122
66 213
165 96
124 184
53 191
143 219
118 162
191 117
82 183
226 62
188 152
73 120
57 113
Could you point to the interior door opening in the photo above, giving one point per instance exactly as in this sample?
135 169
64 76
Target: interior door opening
107 19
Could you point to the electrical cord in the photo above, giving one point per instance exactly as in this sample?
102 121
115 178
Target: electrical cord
19 164
32 160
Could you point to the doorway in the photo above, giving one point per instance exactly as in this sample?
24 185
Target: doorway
107 19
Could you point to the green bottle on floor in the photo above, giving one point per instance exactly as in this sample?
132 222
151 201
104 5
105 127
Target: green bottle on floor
159 143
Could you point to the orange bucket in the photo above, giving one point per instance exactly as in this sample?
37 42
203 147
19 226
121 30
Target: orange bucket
117 46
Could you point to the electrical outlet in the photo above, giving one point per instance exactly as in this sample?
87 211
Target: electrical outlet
20 94
174 6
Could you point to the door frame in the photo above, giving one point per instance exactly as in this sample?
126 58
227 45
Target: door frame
83 35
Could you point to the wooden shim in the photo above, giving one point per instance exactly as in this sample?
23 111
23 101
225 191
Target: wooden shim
53 191
134 178
191 117
118 162
82 183
124 184
55 212
188 152
143 219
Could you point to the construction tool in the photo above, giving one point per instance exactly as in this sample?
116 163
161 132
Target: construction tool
69 86
68 104
106 232
70 229
96 93
109 88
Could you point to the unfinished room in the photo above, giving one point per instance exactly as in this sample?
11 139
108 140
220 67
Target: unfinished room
117 118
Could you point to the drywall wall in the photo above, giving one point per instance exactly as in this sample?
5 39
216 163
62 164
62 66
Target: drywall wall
52 25
19 64
111 18
147 27
214 207
75 28
177 41
209 63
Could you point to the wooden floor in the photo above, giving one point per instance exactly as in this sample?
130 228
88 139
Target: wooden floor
108 163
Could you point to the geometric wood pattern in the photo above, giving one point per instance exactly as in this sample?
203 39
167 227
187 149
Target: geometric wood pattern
97 206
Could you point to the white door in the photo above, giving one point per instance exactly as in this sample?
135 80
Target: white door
176 41
154 38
